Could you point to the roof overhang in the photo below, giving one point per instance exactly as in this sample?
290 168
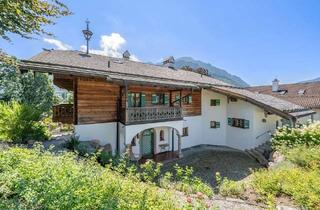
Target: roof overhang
108 75
293 115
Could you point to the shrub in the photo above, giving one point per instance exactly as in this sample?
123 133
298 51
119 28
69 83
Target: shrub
73 143
306 157
31 179
308 135
229 188
303 186
20 123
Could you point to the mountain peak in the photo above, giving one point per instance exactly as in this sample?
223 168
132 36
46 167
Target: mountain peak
215 72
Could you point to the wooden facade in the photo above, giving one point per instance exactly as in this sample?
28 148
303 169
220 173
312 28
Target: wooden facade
97 100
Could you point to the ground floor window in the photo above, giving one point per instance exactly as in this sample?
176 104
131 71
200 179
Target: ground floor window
185 131
214 124
239 123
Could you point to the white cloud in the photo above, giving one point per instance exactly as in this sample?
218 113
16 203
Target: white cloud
58 44
110 45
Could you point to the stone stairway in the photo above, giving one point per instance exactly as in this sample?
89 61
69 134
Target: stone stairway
261 153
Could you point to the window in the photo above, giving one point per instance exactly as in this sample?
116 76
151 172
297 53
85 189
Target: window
161 135
159 98
232 99
185 131
214 124
215 102
185 99
136 99
239 123
301 92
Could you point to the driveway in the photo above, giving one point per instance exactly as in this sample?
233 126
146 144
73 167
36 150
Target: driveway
207 160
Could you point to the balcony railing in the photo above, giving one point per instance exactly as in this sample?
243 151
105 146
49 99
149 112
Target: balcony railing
152 114
63 113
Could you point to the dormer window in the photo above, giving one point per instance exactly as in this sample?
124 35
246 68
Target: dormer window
301 92
283 92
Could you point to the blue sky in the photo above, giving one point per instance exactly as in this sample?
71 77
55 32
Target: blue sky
254 39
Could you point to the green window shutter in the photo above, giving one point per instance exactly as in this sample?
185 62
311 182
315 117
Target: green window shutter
143 99
217 102
154 98
166 99
130 95
230 121
190 99
217 124
246 124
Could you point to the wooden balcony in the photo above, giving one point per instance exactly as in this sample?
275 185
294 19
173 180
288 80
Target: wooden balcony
151 114
63 113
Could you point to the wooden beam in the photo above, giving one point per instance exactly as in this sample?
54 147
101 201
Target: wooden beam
75 101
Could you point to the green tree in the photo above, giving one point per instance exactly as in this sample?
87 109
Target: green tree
28 17
32 89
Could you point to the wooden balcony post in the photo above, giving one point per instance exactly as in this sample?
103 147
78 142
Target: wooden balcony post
179 146
75 100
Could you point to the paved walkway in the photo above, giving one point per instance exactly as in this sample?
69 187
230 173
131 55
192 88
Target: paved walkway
207 160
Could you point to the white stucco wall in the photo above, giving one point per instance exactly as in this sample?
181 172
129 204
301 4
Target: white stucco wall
195 136
131 131
316 117
213 136
238 137
262 130
105 132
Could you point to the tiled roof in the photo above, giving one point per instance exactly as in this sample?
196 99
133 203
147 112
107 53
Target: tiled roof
309 93
78 63
121 66
269 102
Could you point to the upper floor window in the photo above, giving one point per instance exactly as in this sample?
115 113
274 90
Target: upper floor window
136 99
185 99
161 135
215 102
214 124
239 123
159 99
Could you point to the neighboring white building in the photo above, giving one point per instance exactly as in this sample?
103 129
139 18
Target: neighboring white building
148 110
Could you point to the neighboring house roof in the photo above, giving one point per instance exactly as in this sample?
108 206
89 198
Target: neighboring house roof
78 63
275 105
304 94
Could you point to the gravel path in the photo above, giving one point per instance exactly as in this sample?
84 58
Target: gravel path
207 160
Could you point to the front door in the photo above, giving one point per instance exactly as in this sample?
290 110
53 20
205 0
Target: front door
147 143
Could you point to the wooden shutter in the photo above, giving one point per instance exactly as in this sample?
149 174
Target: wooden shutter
230 121
154 98
246 124
190 99
130 99
166 99
143 99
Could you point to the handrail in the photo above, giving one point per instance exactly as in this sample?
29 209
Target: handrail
264 133
147 114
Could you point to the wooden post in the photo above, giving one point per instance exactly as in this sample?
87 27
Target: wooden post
126 101
75 101
179 146
180 98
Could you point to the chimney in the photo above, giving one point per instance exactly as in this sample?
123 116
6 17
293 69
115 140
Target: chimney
126 55
168 62
275 85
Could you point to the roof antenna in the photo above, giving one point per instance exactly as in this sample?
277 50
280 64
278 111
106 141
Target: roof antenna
87 34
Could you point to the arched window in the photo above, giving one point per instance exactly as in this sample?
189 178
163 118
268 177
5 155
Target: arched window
161 135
